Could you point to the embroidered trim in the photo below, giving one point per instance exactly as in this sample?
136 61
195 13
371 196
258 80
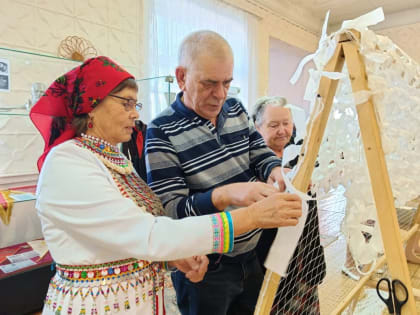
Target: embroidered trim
62 292
100 272
133 187
110 155
216 234
129 183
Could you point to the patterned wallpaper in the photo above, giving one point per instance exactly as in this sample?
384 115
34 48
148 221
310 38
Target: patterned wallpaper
113 27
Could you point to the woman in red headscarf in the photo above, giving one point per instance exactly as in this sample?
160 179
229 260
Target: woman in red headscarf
102 223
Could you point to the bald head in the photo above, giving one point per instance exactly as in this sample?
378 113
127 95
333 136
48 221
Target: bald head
204 73
203 43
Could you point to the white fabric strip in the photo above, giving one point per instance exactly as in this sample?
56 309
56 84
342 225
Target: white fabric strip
287 237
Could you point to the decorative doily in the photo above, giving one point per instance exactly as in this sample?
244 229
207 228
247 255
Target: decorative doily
76 48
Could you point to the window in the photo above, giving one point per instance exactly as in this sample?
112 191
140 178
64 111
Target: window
170 21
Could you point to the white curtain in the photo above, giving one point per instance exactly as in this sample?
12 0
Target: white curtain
169 21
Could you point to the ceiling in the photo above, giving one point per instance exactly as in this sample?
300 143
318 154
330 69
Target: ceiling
345 10
310 13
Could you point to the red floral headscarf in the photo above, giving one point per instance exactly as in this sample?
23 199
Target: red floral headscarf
74 93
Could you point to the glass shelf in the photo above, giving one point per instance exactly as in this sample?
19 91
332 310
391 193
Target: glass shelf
24 75
27 68
28 75
11 51
6 113
155 93
164 86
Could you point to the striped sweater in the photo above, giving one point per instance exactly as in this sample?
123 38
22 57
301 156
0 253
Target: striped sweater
187 157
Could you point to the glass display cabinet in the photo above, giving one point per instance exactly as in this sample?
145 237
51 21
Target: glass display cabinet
156 93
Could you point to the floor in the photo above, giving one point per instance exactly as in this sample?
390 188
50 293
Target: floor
170 298
336 285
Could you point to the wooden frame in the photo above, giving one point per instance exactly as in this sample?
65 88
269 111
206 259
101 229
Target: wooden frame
347 50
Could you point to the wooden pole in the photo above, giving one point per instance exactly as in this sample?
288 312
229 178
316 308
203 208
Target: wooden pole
379 178
327 89
412 248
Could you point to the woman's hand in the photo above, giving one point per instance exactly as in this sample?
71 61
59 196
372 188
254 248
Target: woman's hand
194 267
278 210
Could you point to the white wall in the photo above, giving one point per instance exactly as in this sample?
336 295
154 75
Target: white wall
113 27
407 37
283 61
272 25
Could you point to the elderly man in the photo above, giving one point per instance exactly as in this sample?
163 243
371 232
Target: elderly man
204 156
298 292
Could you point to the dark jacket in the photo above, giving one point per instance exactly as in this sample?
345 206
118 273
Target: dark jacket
134 149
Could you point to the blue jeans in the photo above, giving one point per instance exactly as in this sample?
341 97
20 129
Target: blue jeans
230 287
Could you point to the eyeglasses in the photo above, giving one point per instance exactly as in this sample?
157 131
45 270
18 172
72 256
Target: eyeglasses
129 103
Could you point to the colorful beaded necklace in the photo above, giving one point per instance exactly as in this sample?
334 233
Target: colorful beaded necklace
109 154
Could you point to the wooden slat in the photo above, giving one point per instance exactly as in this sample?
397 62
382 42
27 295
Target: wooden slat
327 90
378 173
365 280
412 248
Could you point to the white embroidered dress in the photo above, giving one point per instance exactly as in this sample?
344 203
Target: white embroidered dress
108 250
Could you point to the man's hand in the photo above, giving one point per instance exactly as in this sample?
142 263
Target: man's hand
194 267
241 194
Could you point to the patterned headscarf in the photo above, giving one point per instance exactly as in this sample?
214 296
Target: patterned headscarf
77 92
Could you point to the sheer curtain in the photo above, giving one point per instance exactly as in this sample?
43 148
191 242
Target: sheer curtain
168 22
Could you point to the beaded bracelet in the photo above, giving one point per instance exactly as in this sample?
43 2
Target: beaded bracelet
222 232
167 268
